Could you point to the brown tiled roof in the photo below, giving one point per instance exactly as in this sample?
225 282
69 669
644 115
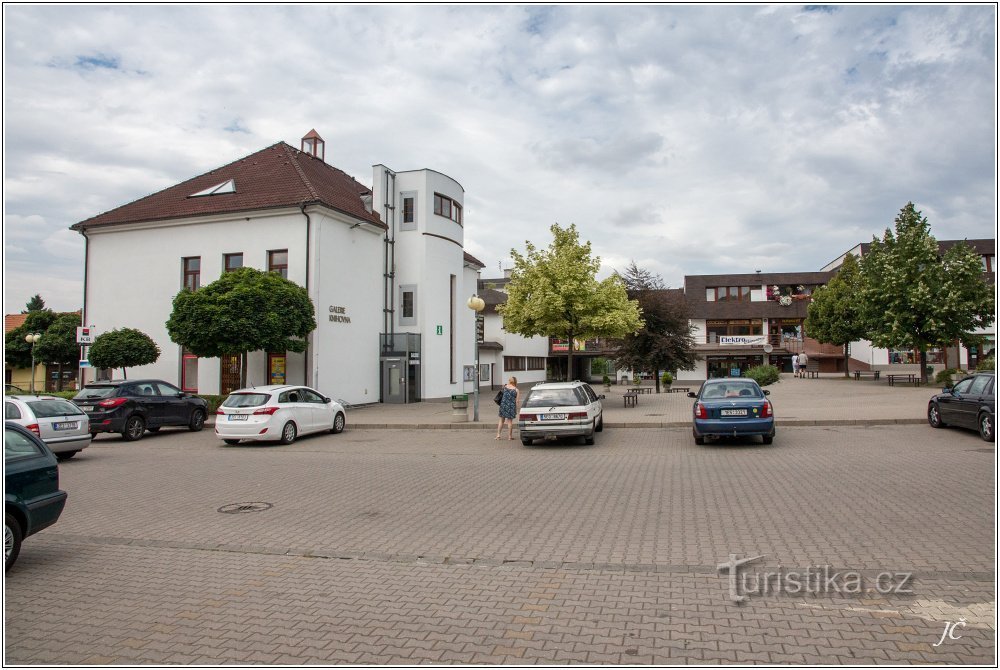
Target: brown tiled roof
278 176
12 321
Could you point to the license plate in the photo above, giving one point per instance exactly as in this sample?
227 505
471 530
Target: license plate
66 425
552 417
237 417
733 412
86 408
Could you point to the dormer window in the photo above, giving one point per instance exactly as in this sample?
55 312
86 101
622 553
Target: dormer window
314 145
218 189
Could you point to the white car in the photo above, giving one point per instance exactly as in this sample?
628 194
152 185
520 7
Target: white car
281 413
64 427
563 409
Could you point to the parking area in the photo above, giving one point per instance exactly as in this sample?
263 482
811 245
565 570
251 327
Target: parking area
409 546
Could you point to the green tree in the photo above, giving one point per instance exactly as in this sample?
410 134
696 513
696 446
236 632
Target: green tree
915 297
555 293
17 352
836 314
665 341
242 311
123 348
58 343
36 304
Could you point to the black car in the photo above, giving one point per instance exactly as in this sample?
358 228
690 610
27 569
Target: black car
971 403
32 499
133 406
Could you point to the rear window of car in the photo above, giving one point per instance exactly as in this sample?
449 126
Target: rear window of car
16 445
45 409
246 400
733 389
555 398
95 392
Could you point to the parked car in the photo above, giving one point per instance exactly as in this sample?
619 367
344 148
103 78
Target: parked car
278 412
971 403
64 427
32 499
11 389
732 407
133 406
560 409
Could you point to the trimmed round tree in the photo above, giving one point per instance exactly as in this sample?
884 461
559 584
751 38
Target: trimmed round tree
242 311
123 348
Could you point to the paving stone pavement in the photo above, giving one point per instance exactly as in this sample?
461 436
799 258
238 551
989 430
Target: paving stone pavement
446 547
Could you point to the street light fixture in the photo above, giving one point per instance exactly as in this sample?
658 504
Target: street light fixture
32 339
476 304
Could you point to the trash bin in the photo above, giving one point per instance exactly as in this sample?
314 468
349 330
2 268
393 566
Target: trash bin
460 408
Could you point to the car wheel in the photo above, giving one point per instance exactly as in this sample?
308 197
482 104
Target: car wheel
231 441
768 439
588 439
66 455
526 442
12 536
154 429
698 439
934 416
135 426
986 427
338 423
288 433
600 424
197 421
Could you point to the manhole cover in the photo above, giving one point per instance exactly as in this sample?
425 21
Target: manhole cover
245 507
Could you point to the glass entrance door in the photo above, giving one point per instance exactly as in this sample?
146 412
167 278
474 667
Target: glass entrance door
393 381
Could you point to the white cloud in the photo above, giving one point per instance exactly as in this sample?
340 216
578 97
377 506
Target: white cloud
698 139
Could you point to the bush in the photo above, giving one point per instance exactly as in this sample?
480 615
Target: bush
606 380
764 375
213 401
946 377
667 379
987 364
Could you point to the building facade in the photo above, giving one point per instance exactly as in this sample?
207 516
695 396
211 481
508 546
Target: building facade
384 267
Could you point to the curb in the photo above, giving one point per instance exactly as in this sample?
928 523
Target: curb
468 425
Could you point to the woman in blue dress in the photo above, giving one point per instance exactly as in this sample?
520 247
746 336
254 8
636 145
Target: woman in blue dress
510 402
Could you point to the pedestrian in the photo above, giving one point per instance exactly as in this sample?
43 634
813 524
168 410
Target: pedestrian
510 403
795 365
803 362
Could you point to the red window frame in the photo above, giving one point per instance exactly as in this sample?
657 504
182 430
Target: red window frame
191 276
274 266
226 258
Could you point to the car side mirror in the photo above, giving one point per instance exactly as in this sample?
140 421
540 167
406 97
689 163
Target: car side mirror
327 400
692 394
948 389
766 392
602 396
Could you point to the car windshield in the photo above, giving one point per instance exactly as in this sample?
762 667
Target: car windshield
95 392
731 389
246 400
45 409
554 398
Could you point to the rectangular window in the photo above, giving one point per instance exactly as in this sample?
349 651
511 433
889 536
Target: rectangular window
409 221
714 329
448 208
192 272
408 305
189 372
535 363
728 294
277 261
513 363
233 262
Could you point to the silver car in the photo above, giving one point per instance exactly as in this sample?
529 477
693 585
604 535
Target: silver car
63 426
560 409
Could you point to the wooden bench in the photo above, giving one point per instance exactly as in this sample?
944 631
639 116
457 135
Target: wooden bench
679 389
874 374
641 389
630 399
812 369
904 378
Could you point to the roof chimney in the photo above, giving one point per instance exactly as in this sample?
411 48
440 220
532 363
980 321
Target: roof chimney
314 145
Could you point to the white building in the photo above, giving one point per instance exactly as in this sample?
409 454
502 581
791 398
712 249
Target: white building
384 267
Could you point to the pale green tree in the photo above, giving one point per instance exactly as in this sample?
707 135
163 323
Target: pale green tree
554 292
836 312
915 297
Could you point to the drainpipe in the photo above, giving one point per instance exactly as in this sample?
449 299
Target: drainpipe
307 354
83 312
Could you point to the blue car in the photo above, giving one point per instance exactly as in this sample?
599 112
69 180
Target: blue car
732 407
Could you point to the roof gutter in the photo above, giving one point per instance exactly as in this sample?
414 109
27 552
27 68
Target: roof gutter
308 353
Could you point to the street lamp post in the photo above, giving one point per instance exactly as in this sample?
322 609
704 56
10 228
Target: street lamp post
476 304
32 339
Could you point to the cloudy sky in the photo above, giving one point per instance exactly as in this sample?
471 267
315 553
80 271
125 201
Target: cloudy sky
692 140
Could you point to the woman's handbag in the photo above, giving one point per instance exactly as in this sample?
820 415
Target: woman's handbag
498 397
